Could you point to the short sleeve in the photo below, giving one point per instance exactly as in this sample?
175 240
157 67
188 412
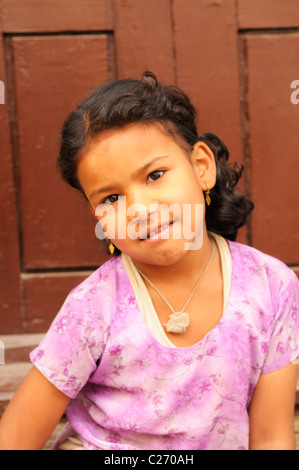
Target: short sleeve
69 352
283 346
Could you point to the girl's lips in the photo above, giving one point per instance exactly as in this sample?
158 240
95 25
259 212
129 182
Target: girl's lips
155 235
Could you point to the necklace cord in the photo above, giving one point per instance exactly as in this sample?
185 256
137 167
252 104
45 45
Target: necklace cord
194 289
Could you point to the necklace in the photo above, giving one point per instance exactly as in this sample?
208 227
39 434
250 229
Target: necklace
178 322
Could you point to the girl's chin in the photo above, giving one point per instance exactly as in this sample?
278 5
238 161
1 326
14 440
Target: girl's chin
163 254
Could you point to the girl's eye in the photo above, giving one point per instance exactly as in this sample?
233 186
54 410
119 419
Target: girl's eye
155 175
110 199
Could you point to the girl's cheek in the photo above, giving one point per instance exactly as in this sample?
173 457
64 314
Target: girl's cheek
115 224
108 225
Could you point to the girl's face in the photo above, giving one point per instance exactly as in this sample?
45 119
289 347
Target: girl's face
146 189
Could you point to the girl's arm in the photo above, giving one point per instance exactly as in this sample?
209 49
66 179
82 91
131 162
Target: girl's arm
271 414
32 414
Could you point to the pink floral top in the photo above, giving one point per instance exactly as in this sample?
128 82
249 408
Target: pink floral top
129 391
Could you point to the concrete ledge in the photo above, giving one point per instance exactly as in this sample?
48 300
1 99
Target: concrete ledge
4 400
18 347
11 375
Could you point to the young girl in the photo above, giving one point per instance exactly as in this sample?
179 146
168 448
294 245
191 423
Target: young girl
170 344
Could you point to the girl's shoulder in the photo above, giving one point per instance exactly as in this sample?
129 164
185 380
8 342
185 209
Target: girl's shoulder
257 265
79 332
102 279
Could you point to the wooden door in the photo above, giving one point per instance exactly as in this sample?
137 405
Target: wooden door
237 60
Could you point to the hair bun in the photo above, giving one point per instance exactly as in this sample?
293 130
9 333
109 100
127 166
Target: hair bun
150 80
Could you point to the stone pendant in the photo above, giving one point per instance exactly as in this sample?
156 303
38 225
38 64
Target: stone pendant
178 323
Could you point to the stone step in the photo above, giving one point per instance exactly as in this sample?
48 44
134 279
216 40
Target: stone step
14 363
4 400
11 377
16 348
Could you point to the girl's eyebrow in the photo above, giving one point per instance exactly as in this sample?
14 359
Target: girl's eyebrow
101 190
147 165
134 175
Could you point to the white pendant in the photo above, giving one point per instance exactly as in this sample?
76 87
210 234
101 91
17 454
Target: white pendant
178 323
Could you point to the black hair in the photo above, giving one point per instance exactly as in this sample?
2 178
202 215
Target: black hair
122 102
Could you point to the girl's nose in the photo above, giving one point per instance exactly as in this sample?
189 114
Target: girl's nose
140 206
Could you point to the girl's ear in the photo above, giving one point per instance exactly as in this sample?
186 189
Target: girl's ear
203 161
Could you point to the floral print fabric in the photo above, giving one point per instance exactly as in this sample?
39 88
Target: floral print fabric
129 391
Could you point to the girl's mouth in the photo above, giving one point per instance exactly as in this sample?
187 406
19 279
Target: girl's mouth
158 233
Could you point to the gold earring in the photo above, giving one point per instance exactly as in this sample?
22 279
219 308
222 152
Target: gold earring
111 248
207 194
